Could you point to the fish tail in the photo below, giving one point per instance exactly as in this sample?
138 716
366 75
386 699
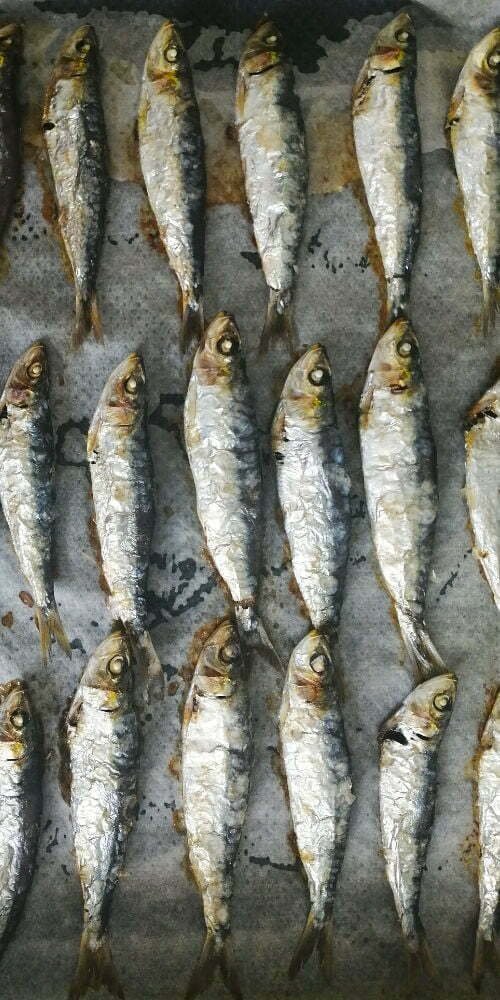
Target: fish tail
279 321
149 662
420 960
254 633
192 322
215 954
491 303
398 298
315 936
87 319
95 968
49 625
421 650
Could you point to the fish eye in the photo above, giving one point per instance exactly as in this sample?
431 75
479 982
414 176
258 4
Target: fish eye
494 59
230 652
403 35
83 46
442 702
405 348
318 663
171 53
35 369
227 345
7 40
116 666
271 39
131 385
19 719
318 376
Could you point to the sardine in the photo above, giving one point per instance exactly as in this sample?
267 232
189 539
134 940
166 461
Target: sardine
21 769
27 485
409 744
273 154
473 123
122 489
399 470
75 136
216 754
317 769
387 141
10 144
173 166
488 800
313 485
220 430
482 483
103 744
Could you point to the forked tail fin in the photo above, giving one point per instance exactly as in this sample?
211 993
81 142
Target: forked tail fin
49 625
314 937
192 322
149 663
279 321
491 302
484 949
253 633
95 968
87 320
215 954
421 650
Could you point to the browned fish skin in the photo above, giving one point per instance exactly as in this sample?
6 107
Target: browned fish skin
10 157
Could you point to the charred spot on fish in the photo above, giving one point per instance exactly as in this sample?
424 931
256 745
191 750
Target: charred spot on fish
48 126
318 376
279 457
397 387
227 346
395 736
422 736
479 417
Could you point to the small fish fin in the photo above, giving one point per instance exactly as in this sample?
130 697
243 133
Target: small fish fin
214 954
149 662
483 950
254 634
421 650
192 322
95 968
279 321
398 294
49 624
87 320
491 305
314 936
420 961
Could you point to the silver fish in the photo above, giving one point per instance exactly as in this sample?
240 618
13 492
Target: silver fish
10 153
75 136
317 770
473 123
173 165
488 800
103 744
220 431
409 744
122 489
399 470
21 769
216 751
313 485
482 483
27 485
387 141
273 155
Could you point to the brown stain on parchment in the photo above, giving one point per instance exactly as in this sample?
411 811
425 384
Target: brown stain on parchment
8 619
470 850
149 228
331 154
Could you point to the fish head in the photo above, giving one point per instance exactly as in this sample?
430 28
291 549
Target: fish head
395 46
108 676
28 380
425 713
220 355
395 363
123 402
263 50
19 729
220 663
79 53
307 392
167 61
311 670
483 64
11 39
